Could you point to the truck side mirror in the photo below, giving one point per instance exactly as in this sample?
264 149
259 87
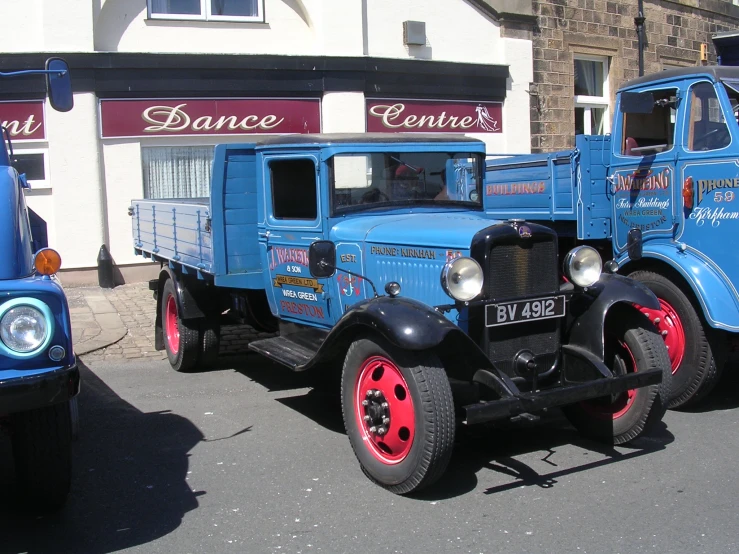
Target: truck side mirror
322 259
59 85
634 244
637 102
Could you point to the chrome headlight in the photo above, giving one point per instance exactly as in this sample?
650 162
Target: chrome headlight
24 328
461 279
583 266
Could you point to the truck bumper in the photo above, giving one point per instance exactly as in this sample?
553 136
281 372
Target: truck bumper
524 402
40 390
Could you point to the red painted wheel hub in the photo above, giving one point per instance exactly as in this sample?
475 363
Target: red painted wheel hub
170 325
384 410
624 364
671 328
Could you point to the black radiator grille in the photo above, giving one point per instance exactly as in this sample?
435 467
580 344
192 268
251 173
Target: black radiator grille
525 269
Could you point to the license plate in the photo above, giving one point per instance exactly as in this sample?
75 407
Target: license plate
535 309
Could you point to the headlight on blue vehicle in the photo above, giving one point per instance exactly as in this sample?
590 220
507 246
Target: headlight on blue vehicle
461 278
583 266
26 326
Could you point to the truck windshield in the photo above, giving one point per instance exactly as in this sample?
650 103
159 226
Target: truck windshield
389 179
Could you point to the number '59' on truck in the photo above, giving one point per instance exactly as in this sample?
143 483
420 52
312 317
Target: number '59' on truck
371 254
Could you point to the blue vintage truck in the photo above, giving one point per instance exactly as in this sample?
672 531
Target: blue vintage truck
658 197
39 378
371 254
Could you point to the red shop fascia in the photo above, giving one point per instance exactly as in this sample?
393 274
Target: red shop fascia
198 117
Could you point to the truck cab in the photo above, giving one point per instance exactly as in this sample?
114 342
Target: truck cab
372 260
39 378
658 196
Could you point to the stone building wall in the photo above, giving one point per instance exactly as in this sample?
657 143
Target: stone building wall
674 32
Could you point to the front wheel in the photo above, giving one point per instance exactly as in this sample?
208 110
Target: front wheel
695 366
42 447
632 345
398 413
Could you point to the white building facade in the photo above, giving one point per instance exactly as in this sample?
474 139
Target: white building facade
157 83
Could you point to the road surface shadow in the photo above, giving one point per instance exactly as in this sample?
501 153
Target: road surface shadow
498 447
726 394
128 486
479 448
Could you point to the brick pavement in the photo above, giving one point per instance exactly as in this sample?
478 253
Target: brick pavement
119 324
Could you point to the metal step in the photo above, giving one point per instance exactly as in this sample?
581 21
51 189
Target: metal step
286 350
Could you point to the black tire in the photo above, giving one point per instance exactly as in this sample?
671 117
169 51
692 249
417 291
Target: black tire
74 417
210 341
42 451
699 371
633 414
429 447
183 356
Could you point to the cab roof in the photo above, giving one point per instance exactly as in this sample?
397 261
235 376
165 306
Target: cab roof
715 72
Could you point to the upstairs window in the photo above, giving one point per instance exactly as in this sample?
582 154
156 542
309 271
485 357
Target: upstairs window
591 95
209 10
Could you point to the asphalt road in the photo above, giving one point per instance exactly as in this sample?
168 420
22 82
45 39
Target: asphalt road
251 460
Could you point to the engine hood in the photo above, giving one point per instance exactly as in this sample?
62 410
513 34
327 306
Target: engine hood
428 230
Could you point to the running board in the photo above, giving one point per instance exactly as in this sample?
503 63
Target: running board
295 350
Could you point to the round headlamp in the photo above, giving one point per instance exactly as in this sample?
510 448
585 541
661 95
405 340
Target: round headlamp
583 266
461 279
23 328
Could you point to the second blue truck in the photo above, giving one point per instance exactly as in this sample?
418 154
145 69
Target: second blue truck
658 197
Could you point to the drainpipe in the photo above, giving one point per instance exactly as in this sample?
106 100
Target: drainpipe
639 23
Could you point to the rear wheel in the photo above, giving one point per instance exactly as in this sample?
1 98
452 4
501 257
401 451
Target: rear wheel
398 413
42 443
632 345
181 337
695 368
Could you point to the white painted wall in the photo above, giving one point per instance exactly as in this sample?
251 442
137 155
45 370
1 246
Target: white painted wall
75 171
343 112
22 26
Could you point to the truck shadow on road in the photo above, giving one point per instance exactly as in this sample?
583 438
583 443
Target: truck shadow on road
129 485
497 448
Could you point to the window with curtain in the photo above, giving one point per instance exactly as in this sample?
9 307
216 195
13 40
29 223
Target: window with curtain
591 95
209 10
177 171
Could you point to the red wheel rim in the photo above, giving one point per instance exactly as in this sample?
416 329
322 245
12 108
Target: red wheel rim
624 363
384 409
670 326
170 325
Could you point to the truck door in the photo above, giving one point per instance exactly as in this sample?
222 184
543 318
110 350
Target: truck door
292 221
642 176
708 171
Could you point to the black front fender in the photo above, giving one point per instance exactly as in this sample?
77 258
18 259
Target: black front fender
406 323
588 309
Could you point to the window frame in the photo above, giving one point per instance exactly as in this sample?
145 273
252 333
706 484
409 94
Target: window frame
206 14
589 102
688 132
20 149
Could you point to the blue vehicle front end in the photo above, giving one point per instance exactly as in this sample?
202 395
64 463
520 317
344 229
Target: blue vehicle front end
39 378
